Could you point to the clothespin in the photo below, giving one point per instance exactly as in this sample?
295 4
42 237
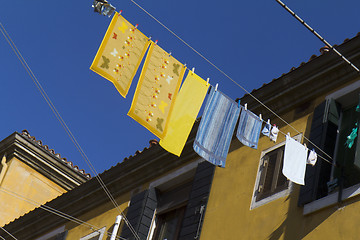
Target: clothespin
207 81
193 70
305 145
136 26
260 116
120 12
245 106
239 103
216 86
268 121
288 134
156 41
149 39
169 54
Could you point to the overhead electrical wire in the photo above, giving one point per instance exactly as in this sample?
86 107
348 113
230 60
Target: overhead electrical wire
55 212
247 92
64 125
8 233
77 145
317 35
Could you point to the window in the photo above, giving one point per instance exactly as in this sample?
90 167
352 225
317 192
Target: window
168 224
271 179
324 182
97 235
173 206
270 182
170 212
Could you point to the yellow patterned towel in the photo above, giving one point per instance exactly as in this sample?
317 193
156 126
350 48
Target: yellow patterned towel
156 91
186 109
120 53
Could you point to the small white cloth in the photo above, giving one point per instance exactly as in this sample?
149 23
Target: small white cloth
274 133
312 158
295 157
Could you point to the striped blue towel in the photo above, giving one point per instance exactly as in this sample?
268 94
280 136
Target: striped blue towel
249 128
216 128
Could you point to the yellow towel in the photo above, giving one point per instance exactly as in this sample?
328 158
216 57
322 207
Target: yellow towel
120 53
156 91
186 109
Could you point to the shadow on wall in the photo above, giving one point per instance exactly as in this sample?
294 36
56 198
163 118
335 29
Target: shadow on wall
296 226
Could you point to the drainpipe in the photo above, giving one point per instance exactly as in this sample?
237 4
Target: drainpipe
116 227
4 167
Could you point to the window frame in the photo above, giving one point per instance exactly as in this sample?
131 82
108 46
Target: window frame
100 232
181 175
349 192
285 192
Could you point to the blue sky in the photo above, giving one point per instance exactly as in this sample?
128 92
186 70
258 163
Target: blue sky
251 41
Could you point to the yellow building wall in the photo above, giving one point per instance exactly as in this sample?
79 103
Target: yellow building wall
21 179
228 215
99 217
105 215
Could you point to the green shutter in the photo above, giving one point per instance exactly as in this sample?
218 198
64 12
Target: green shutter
323 134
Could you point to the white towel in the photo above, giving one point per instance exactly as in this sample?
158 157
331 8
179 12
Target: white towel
295 157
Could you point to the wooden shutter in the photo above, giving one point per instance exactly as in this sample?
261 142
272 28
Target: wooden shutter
323 133
200 190
140 214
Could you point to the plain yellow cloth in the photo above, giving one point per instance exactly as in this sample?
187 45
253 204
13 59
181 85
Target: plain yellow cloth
120 53
186 109
157 90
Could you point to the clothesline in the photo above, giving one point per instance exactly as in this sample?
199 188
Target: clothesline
227 76
263 121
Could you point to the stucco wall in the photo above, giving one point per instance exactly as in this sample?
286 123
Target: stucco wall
228 215
25 181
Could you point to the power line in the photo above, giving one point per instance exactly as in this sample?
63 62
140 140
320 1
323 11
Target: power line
64 125
8 233
56 212
227 76
318 35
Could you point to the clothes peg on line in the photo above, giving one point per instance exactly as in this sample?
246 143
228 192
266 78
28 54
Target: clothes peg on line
207 81
260 116
216 87
268 121
156 41
193 70
136 26
245 106
170 54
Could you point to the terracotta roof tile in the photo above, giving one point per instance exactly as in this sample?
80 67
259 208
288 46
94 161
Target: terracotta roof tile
322 50
75 168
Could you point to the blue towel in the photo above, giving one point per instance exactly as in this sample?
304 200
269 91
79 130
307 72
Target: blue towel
216 128
249 128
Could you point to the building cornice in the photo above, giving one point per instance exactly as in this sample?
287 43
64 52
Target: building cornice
133 172
49 165
320 75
